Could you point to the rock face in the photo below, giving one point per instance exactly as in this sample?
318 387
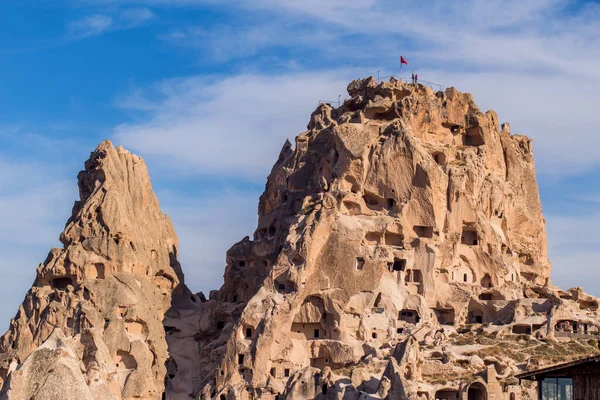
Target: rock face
400 253
91 325
403 228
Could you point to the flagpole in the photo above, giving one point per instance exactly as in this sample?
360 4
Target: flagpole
400 68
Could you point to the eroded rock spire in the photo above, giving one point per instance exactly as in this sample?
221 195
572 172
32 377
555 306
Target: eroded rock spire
91 325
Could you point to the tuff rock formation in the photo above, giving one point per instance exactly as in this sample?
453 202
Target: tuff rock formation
400 253
91 325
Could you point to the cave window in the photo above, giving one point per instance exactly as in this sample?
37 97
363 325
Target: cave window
374 335
241 264
327 361
485 296
286 372
479 319
417 276
465 277
235 297
359 263
512 277
324 388
61 283
272 231
100 270
220 324
273 372
391 203
240 359
399 330
439 158
469 238
423 231
223 397
486 281
284 198
473 137
316 334
248 332
399 264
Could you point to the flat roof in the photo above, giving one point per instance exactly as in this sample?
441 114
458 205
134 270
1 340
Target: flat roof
532 374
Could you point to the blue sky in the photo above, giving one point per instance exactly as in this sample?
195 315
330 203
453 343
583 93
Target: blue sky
207 91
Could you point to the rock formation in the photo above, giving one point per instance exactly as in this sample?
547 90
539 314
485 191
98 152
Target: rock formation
402 231
400 253
91 325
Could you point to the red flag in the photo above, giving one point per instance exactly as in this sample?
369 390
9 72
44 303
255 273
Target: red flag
403 60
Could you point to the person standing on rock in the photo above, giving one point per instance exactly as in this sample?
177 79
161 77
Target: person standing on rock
413 78
416 78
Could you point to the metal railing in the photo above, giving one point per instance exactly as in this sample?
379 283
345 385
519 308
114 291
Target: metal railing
431 85
331 103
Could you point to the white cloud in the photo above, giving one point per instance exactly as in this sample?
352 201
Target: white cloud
229 127
97 24
90 26
135 16
533 61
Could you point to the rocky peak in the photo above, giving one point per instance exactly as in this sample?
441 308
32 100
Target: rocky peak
403 214
98 303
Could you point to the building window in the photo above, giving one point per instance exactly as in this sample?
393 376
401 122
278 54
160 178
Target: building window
316 334
557 389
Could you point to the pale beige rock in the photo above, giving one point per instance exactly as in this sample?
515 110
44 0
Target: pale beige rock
91 325
400 249
400 253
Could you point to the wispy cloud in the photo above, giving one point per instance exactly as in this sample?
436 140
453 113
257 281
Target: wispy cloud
535 62
97 24
90 25
225 127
